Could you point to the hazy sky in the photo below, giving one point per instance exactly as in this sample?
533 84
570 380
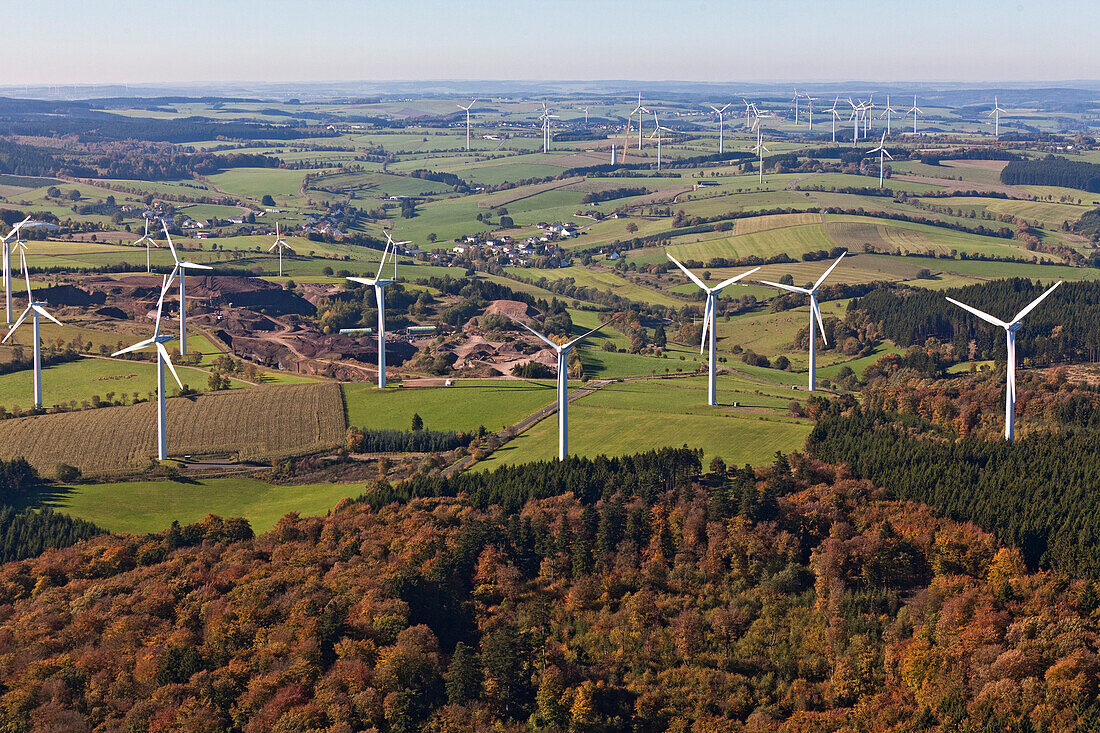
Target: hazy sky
98 41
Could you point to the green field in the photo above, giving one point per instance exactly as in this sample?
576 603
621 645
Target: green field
634 416
138 507
466 406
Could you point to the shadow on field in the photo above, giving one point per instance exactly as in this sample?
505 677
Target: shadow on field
39 497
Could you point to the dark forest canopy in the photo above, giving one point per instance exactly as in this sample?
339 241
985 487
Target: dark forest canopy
1053 171
1065 327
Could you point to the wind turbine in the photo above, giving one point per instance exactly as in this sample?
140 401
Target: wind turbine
1010 331
749 107
657 134
810 110
7 264
882 155
395 246
710 313
760 148
888 112
815 312
181 268
147 240
836 116
914 110
795 100
867 115
856 111
35 308
563 380
639 110
281 244
379 286
163 360
721 122
995 113
586 116
467 108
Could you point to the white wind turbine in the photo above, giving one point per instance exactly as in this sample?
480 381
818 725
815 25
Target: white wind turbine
857 110
163 360
7 263
710 314
181 268
562 351
395 245
760 148
586 116
35 308
836 116
995 113
882 155
810 110
749 107
657 133
795 100
639 110
815 312
1010 328
467 108
148 242
888 112
721 125
379 285
914 110
280 244
867 115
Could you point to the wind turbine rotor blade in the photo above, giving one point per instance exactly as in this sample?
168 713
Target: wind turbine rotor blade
168 362
687 272
193 266
43 312
887 154
732 280
706 324
272 247
817 313
831 268
1031 306
136 347
545 340
984 316
586 334
18 322
789 288
362 280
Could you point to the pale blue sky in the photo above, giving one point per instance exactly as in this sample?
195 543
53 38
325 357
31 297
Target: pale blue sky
127 41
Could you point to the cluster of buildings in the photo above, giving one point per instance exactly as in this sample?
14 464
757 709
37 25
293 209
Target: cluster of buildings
519 252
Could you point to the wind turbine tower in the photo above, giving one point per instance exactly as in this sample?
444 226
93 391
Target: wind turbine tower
1010 328
836 116
467 108
995 113
914 110
710 314
815 312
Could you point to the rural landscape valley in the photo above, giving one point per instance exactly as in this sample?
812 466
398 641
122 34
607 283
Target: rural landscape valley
486 394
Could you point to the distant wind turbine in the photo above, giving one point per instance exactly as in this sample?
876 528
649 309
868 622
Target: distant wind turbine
657 133
467 108
280 244
836 116
882 155
857 110
795 100
158 341
914 110
815 312
639 110
562 351
147 241
760 148
710 314
1010 328
888 112
721 124
35 308
995 113
810 110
